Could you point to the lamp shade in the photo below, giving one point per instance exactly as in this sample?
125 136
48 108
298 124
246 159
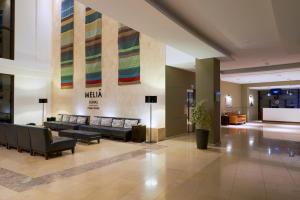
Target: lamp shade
150 99
43 100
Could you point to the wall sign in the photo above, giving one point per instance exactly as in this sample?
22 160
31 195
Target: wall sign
93 97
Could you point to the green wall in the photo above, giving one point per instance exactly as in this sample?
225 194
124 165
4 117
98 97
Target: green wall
207 87
177 83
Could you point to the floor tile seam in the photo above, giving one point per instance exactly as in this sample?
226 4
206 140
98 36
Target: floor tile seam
57 176
234 180
18 186
199 172
263 177
32 177
288 171
290 175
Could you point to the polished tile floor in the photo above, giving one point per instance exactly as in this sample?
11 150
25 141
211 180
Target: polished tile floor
256 161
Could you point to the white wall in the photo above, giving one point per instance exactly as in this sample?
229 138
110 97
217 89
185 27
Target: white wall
116 101
32 64
33 29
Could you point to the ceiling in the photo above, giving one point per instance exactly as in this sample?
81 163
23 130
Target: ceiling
179 59
263 76
253 32
275 87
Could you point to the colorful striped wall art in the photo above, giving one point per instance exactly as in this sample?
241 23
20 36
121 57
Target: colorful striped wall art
93 49
67 43
129 56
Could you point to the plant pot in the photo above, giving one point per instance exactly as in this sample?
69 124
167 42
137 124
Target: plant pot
202 138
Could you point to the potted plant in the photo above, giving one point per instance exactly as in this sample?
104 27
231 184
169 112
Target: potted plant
202 120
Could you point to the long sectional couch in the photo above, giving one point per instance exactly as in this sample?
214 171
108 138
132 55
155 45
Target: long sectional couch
65 122
112 127
36 140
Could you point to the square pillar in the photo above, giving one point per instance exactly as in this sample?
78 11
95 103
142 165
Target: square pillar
208 89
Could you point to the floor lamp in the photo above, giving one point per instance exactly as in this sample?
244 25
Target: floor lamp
43 101
151 100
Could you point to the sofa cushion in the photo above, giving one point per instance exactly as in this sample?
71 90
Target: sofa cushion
81 120
59 117
62 143
65 118
118 123
96 121
129 123
106 121
116 129
73 119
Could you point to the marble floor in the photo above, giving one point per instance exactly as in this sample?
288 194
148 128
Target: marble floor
256 161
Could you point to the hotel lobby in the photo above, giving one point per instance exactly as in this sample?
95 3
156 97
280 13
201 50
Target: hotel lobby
149 99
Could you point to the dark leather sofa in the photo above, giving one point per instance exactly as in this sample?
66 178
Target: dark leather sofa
67 124
107 130
11 135
33 139
3 140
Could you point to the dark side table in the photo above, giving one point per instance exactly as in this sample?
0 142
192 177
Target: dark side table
138 134
224 120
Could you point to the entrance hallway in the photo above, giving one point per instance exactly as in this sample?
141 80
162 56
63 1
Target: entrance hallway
253 163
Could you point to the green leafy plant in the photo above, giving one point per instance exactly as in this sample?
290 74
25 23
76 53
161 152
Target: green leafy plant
200 116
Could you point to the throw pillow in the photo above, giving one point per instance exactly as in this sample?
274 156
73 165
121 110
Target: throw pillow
117 123
65 118
81 120
129 123
96 121
73 119
50 135
106 121
59 118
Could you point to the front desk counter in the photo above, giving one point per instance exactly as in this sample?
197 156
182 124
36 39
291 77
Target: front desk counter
281 114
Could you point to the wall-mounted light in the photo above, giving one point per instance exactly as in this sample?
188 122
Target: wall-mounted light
228 101
269 94
228 148
251 100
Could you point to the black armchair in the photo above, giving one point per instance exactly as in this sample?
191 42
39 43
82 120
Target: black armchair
23 138
42 143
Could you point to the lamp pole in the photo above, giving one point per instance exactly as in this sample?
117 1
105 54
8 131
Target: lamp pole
43 101
43 112
150 122
150 100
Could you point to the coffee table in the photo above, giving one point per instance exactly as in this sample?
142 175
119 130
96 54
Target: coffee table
84 136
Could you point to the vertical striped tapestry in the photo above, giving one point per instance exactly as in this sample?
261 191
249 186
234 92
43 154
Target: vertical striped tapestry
93 31
129 56
67 43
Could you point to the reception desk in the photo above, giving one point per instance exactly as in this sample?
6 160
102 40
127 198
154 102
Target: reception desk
281 114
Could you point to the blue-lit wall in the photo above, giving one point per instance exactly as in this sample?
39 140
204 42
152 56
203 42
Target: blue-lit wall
288 99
